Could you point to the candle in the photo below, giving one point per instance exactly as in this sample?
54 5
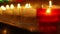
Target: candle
12 6
18 12
3 9
29 11
48 18
28 15
12 9
51 16
18 6
7 9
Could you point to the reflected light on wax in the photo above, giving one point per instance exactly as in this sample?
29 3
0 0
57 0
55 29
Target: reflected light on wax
7 6
12 6
27 6
18 5
3 8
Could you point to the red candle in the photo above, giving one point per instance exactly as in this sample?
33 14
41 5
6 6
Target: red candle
48 20
45 16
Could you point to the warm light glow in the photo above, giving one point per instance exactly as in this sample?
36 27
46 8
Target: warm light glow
27 6
5 31
7 6
48 11
42 6
50 3
3 8
12 6
18 5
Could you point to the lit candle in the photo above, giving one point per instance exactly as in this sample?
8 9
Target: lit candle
49 14
3 9
7 9
48 18
18 6
12 9
12 6
29 11
18 12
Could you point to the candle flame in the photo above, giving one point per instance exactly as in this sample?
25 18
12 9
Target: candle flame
18 5
27 6
7 6
48 11
50 3
3 8
11 6
42 6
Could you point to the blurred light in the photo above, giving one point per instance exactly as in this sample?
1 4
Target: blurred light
3 8
50 3
7 6
48 11
27 6
5 31
18 5
12 6
42 6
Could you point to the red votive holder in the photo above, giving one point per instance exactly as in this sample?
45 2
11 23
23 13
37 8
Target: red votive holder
44 17
48 22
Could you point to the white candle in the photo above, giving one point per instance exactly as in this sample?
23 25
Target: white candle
12 9
18 9
12 6
7 9
29 11
18 6
3 9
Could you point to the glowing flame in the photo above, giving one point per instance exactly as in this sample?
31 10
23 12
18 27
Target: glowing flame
18 5
42 6
7 6
12 6
27 6
50 3
3 8
48 11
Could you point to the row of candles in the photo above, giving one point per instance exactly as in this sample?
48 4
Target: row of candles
27 10
46 15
